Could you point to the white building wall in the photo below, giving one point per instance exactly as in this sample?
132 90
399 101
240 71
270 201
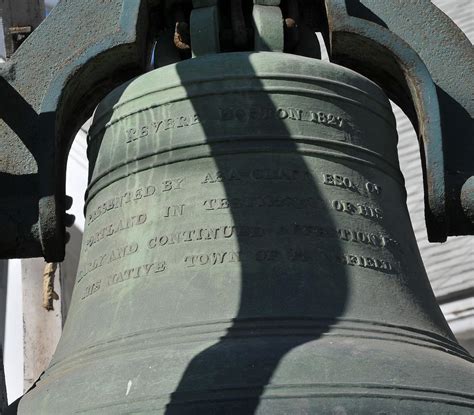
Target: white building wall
13 336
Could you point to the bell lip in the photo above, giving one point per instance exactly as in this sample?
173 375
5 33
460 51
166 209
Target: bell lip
234 64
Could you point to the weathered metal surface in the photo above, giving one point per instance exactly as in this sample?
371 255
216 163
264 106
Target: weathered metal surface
48 88
268 28
53 82
248 251
449 265
205 30
204 3
408 48
239 30
467 198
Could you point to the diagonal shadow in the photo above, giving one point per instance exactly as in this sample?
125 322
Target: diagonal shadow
23 190
356 9
18 114
16 216
290 292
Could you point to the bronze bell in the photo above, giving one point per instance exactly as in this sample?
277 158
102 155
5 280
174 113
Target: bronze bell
248 250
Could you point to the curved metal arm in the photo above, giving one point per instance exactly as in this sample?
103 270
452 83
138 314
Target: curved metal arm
51 84
87 47
425 64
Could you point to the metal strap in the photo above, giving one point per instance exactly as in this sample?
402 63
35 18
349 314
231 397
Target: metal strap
205 30
268 25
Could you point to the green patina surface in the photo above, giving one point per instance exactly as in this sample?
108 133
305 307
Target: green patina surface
248 251
86 48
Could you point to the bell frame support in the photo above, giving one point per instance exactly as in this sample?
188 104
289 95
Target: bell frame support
50 86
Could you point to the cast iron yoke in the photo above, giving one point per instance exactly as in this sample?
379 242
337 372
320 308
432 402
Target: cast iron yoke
86 48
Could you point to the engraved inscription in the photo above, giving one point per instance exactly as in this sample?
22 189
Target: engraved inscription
221 176
229 232
206 234
306 256
338 181
304 230
294 255
373 188
365 238
174 211
135 195
107 258
326 118
279 174
120 201
357 209
115 228
260 174
344 182
91 289
347 235
367 262
155 127
268 256
253 113
241 114
120 277
211 259
267 201
136 272
172 184
302 255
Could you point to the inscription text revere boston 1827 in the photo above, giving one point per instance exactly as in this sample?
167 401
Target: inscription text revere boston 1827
248 250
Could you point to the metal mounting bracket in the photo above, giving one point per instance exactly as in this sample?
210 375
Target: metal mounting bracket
426 65
85 48
48 88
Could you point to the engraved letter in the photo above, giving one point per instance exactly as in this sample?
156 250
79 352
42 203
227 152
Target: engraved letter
189 261
173 211
157 125
226 114
150 191
131 135
373 188
328 179
281 113
208 179
144 132
295 114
